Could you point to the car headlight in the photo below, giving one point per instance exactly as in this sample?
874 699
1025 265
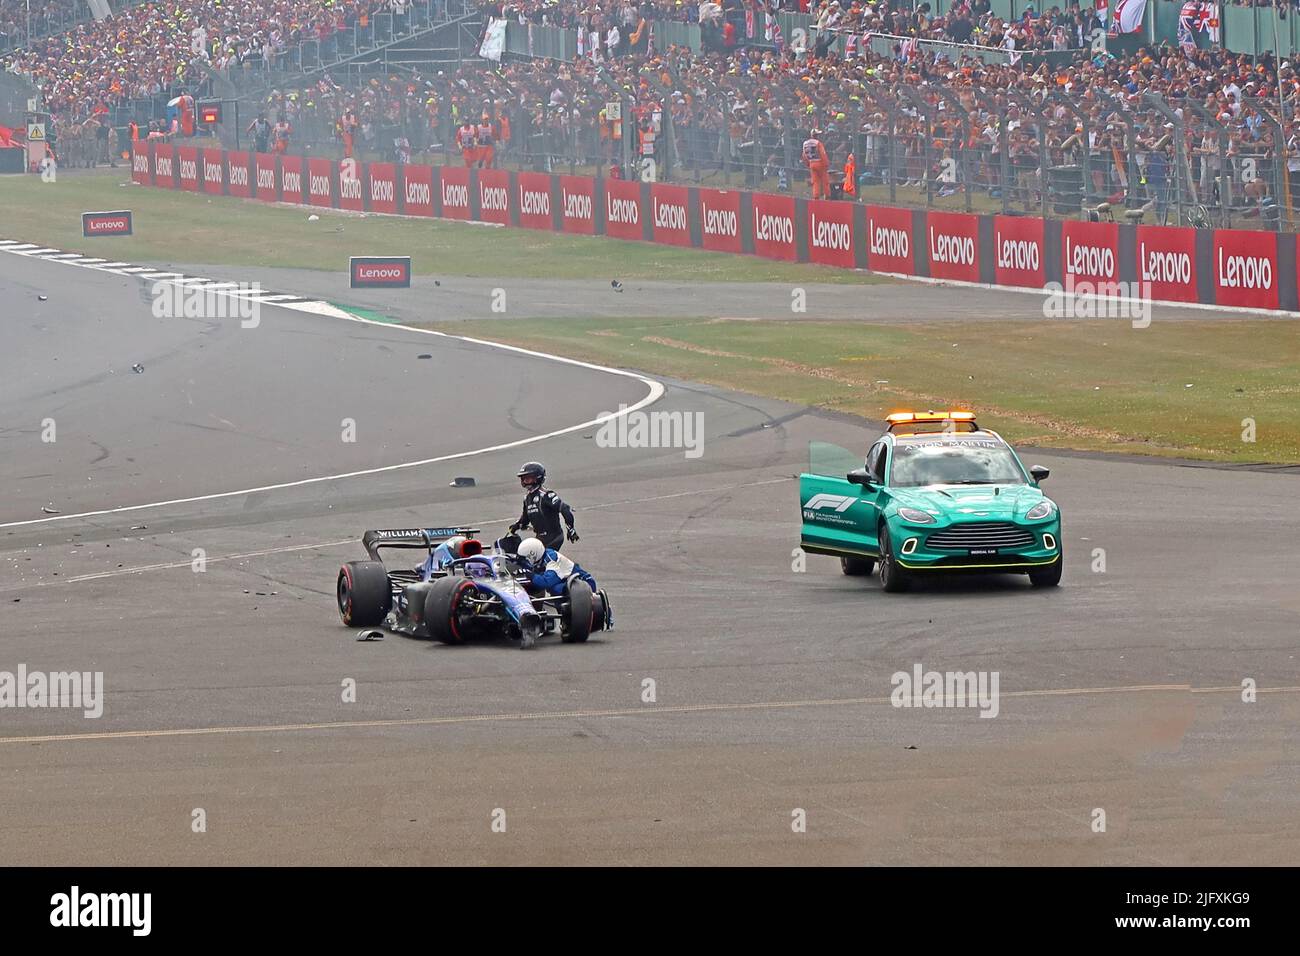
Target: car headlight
1043 509
914 516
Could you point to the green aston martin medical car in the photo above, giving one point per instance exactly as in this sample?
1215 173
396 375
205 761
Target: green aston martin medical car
937 494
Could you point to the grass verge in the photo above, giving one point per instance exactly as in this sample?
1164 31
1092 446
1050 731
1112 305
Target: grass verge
221 230
1183 389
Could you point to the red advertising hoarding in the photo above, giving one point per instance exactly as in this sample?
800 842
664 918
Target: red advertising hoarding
164 165
952 245
668 214
1019 256
494 196
350 185
1245 269
889 240
1089 253
291 179
187 158
719 212
267 180
535 200
381 186
141 167
237 178
830 232
320 182
214 172
623 209
380 272
577 204
455 192
1167 263
774 226
417 190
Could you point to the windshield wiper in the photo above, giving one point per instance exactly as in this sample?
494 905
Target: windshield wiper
974 481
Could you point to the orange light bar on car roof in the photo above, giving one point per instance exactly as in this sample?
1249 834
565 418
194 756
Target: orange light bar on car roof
931 416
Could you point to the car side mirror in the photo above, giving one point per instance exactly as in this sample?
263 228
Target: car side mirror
860 476
1039 473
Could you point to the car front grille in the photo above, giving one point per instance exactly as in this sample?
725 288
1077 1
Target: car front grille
980 534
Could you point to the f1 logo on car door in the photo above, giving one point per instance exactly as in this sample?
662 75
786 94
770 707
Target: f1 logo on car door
835 502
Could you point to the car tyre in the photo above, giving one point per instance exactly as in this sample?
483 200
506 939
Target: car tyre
363 592
1050 576
442 609
856 567
893 576
577 624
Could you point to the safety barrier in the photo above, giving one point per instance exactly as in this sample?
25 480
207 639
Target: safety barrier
1223 267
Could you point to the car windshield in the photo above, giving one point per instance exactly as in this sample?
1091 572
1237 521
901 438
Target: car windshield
954 461
484 566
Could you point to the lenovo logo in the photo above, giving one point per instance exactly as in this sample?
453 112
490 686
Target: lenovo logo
884 241
455 195
669 215
493 198
1165 266
319 185
1244 272
420 194
1022 254
774 228
1089 260
533 202
721 222
956 250
622 210
381 190
830 235
378 272
577 206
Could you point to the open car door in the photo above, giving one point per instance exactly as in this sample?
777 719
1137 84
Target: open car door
838 517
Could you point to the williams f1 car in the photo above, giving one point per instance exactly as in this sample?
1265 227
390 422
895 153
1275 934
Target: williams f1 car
938 494
453 599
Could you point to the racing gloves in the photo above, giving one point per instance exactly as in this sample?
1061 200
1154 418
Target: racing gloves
572 534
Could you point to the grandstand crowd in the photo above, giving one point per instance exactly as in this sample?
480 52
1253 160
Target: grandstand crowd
747 99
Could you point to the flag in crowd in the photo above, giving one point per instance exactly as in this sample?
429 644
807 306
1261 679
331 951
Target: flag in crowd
1128 16
1197 16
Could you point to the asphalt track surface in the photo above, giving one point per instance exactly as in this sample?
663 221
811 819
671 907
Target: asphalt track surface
1119 691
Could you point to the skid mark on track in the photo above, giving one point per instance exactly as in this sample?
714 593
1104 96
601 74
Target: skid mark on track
644 711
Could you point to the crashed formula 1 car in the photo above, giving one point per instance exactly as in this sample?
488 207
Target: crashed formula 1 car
460 594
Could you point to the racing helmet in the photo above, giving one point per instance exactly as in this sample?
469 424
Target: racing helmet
532 474
532 550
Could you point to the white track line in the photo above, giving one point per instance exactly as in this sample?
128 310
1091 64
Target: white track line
656 392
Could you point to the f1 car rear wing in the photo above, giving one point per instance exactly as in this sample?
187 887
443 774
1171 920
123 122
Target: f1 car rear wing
424 538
